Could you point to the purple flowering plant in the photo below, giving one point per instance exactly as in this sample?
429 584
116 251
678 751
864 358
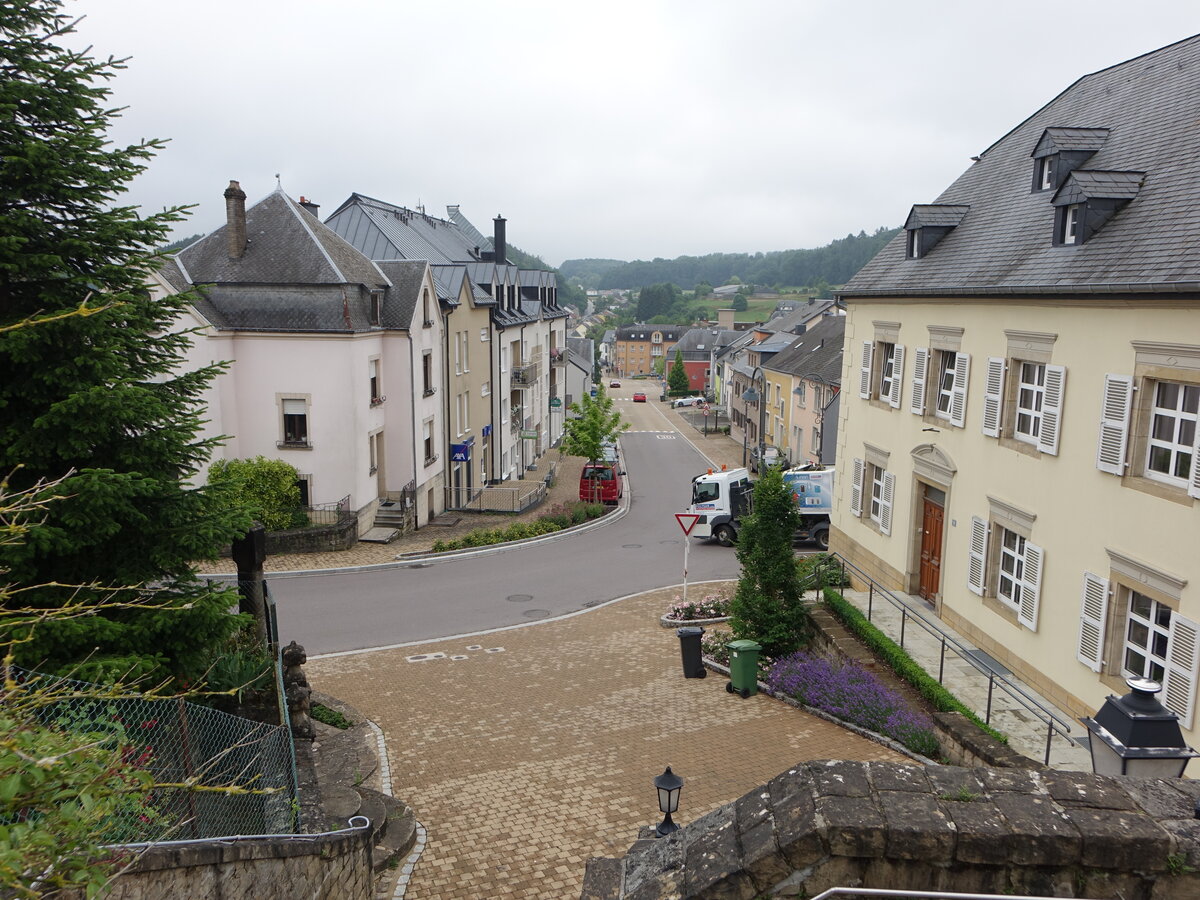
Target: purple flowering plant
853 694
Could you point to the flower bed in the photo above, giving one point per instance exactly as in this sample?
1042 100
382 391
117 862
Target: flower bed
853 694
707 610
558 519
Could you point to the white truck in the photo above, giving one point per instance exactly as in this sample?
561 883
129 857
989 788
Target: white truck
720 499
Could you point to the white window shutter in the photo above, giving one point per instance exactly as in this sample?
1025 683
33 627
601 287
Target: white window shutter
856 489
976 570
864 373
1093 617
1031 586
920 366
1183 650
1194 481
993 396
885 508
897 375
1114 423
1052 404
958 393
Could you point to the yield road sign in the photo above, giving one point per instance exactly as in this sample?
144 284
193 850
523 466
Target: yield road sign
687 521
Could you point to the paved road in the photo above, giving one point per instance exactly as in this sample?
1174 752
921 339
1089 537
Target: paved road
329 613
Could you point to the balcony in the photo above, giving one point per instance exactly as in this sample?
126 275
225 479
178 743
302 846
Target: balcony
525 376
558 358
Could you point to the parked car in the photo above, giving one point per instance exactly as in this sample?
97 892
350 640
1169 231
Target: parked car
687 401
639 397
770 456
614 383
600 483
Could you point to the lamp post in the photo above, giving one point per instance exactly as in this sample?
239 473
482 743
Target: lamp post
1136 735
668 785
819 418
753 396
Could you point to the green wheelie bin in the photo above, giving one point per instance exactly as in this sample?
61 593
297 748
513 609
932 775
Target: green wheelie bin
743 667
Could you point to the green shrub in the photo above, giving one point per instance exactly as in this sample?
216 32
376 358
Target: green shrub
559 518
267 487
900 662
329 716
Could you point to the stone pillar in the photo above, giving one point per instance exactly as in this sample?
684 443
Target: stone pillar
249 552
299 694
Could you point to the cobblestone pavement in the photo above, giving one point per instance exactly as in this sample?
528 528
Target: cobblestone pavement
524 752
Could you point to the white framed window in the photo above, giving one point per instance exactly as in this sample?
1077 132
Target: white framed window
878 484
1171 448
801 394
295 423
913 243
427 373
486 389
426 312
373 452
952 371
376 383
1005 564
1031 390
1147 636
1070 224
458 364
485 335
376 308
1046 172
887 359
427 438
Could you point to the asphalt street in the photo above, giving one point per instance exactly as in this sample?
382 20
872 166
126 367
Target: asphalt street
643 550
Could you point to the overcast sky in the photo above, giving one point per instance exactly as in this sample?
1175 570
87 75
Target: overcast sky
629 130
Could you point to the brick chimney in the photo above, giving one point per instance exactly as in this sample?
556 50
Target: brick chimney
235 219
725 319
498 242
310 206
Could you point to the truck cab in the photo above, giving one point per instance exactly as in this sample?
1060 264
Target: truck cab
720 499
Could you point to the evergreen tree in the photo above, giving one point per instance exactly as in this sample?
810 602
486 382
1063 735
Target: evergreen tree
767 605
678 379
97 395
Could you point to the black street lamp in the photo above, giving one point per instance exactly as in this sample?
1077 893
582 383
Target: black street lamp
1136 735
668 785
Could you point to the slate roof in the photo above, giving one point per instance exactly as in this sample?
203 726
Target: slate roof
800 317
816 352
937 215
1058 140
286 244
284 308
1105 185
1004 244
705 340
400 304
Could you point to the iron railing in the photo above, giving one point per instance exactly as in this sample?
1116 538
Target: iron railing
948 642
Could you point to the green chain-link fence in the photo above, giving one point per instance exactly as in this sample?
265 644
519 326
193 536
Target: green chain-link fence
181 742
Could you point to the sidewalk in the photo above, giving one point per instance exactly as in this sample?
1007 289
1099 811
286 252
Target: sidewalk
525 752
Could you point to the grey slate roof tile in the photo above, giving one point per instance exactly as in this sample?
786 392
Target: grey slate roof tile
1005 244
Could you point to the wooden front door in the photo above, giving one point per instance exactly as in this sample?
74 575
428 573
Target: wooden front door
931 550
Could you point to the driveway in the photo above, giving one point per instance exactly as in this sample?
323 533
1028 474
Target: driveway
526 751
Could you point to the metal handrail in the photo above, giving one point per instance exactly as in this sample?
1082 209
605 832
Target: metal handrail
893 892
1053 722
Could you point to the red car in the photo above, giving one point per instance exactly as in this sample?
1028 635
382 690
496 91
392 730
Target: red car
639 397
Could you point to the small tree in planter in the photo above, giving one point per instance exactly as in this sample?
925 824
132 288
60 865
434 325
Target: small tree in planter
767 605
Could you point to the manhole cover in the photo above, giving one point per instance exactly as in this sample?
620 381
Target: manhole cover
630 546
519 598
536 613
419 565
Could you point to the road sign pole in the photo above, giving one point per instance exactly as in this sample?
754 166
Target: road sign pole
687 521
686 543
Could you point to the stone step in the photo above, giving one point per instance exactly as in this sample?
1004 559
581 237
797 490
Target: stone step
379 534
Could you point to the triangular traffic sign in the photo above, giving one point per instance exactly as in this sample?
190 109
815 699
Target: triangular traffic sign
687 521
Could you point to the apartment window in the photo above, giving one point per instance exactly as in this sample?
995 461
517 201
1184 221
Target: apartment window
484 335
1147 635
464 415
913 243
458 366
427 434
486 389
1031 391
939 386
1003 562
304 486
886 358
373 377
427 321
1046 172
880 486
373 452
1030 410
295 423
1068 224
816 441
1171 451
427 372
800 392
376 308
1159 417
466 352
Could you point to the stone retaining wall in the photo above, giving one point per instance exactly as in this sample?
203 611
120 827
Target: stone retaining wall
333 866
828 823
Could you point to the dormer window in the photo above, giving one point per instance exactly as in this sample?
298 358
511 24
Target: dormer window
1046 167
928 223
1088 199
1060 151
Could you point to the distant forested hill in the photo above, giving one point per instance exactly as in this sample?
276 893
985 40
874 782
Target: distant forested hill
834 263
588 271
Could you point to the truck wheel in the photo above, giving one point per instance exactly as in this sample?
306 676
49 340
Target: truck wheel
725 535
822 538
